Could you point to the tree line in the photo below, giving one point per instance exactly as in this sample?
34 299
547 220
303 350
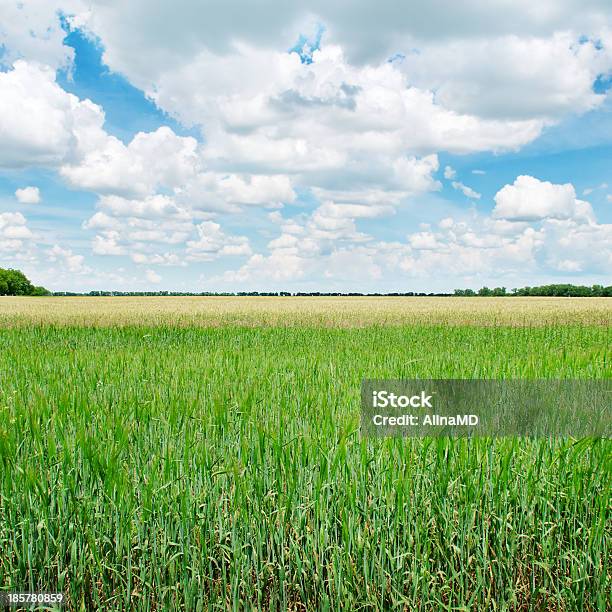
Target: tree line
15 282
558 290
564 290
248 293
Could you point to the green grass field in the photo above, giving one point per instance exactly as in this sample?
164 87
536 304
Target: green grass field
164 466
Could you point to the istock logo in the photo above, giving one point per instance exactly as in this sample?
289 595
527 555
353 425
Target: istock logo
486 407
385 399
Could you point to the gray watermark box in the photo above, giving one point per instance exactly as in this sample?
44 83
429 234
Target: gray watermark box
459 407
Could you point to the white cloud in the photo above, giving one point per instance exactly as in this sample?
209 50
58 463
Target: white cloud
65 258
167 36
32 30
267 111
590 190
212 242
366 196
513 77
569 265
277 267
228 192
468 192
28 195
423 240
108 242
529 199
327 245
13 230
256 189
332 123
151 207
476 246
353 265
17 242
153 277
125 234
163 259
141 228
415 175
459 250
151 160
40 123
449 173
101 220
43 125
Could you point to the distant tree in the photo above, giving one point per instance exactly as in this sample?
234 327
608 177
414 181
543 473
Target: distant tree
15 282
464 292
555 290
38 291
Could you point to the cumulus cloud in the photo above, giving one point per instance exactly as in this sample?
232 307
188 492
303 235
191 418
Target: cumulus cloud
28 195
108 242
153 277
40 123
254 129
13 230
43 125
468 192
568 265
213 242
145 228
276 267
256 189
65 258
229 192
160 259
142 228
251 121
33 30
588 246
529 199
489 77
139 227
154 206
449 172
463 248
326 244
18 244
415 175
150 161
331 225
590 190
169 36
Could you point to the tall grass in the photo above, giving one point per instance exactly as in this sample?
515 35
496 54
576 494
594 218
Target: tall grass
302 311
165 468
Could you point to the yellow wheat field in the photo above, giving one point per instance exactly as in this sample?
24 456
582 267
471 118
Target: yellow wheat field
302 311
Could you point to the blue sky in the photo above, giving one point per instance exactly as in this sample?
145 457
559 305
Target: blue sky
155 154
